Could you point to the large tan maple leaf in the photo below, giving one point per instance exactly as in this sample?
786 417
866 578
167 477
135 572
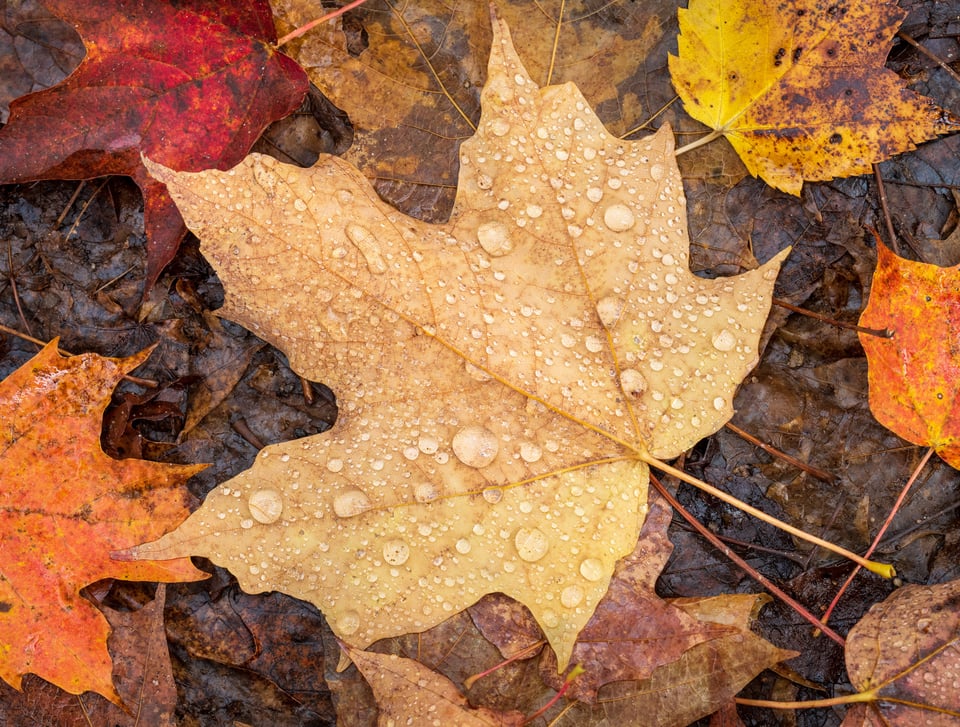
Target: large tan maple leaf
503 379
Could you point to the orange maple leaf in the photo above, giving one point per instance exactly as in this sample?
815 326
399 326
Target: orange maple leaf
64 506
913 376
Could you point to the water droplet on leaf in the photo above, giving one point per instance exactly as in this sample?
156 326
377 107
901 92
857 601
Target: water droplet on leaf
265 506
351 503
531 544
475 446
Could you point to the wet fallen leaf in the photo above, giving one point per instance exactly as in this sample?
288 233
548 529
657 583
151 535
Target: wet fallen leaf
799 89
904 653
407 692
66 506
503 379
913 375
190 84
701 681
425 60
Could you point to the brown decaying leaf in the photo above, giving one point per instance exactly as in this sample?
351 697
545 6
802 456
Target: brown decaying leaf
702 680
501 378
426 59
905 649
65 506
407 692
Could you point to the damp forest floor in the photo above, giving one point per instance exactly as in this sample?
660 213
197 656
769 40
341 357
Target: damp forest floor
72 265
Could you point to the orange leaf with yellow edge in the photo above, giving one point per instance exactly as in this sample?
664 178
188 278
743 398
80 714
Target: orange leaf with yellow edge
799 88
65 506
914 375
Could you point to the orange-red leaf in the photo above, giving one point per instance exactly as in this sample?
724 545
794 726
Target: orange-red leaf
914 376
64 506
190 84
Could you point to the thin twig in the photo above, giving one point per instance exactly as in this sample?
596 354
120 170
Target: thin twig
932 56
833 321
13 288
746 567
319 21
146 383
83 209
773 451
73 198
882 194
876 541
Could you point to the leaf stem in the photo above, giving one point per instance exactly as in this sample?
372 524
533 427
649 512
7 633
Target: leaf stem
856 698
883 529
881 569
752 572
715 134
303 29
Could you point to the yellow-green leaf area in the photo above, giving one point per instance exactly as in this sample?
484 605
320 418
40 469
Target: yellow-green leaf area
799 88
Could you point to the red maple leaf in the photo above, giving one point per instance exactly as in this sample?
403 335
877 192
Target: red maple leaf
190 84
64 507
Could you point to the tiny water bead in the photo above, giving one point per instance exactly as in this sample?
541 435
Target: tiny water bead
475 446
265 506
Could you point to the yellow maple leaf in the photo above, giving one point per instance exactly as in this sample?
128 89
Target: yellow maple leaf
799 88
503 379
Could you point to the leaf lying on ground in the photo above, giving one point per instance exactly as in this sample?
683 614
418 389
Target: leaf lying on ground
913 376
407 692
904 653
503 379
423 63
191 84
701 681
799 89
65 507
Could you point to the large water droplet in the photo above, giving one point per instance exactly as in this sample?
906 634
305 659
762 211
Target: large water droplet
396 551
591 569
530 452
475 446
426 492
609 309
571 596
368 246
265 506
618 217
724 340
348 623
531 544
633 382
428 444
500 127
494 237
350 503
550 619
493 495
463 546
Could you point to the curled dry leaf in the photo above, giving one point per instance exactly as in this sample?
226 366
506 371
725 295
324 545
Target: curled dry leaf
799 89
65 506
904 653
913 376
407 692
501 378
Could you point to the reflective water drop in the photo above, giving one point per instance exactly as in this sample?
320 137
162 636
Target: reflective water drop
594 344
609 309
334 465
657 171
724 340
534 211
426 492
494 238
632 382
265 506
350 503
591 569
500 127
475 446
571 596
618 217
718 403
594 194
531 544
396 551
463 546
493 495
550 619
348 623
368 246
299 204
428 444
530 452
